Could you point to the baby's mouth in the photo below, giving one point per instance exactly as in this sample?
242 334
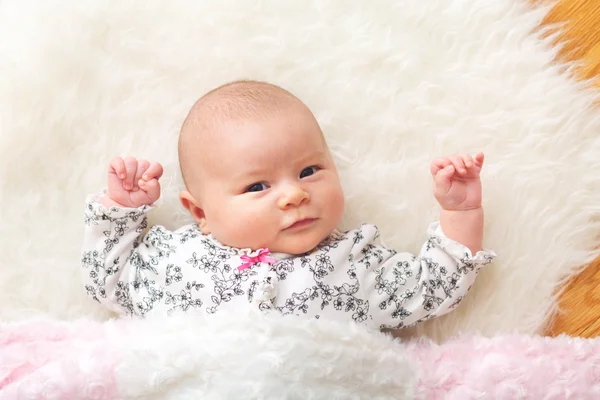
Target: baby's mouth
301 223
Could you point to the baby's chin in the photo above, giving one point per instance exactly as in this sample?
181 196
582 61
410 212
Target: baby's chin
292 250
296 247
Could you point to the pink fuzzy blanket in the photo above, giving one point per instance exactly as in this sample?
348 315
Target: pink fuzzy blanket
255 357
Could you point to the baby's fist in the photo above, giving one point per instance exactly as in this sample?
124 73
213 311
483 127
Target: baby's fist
457 186
133 183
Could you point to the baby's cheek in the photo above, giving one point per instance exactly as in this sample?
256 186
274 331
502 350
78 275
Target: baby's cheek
335 202
248 222
225 219
249 213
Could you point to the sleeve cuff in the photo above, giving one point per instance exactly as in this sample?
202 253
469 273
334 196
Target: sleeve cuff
457 250
99 209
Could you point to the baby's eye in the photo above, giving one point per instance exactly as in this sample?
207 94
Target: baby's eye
308 171
256 187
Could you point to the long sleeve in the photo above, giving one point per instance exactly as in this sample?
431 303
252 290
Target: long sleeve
403 289
116 261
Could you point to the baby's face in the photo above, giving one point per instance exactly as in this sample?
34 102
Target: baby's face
269 183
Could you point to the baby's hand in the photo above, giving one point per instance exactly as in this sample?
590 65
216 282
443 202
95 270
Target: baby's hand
132 183
457 186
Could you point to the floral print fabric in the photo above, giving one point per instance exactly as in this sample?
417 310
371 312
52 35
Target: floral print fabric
347 277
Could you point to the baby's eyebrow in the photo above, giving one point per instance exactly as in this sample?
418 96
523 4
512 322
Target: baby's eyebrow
315 155
251 173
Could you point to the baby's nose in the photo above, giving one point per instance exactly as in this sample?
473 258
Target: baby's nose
292 195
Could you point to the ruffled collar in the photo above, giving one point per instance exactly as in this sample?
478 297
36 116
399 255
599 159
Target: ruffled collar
254 253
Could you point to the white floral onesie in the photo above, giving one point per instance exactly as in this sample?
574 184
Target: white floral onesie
347 276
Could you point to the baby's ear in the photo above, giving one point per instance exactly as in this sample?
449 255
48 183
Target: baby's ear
190 203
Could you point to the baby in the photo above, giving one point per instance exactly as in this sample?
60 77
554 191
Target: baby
266 197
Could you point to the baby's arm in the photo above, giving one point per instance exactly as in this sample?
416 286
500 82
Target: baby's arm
115 261
465 227
401 289
457 187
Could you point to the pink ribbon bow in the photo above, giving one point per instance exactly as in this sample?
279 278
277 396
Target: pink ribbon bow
261 256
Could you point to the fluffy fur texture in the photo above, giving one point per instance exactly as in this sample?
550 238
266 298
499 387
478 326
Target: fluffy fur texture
393 83
507 367
269 357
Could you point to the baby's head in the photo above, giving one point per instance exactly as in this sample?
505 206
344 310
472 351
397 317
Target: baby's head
257 169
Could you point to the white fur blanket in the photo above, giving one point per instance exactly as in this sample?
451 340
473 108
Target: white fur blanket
393 83
262 357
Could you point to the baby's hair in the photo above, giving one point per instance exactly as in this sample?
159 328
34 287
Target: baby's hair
238 100
244 99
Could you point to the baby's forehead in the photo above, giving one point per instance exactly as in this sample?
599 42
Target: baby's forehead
225 119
